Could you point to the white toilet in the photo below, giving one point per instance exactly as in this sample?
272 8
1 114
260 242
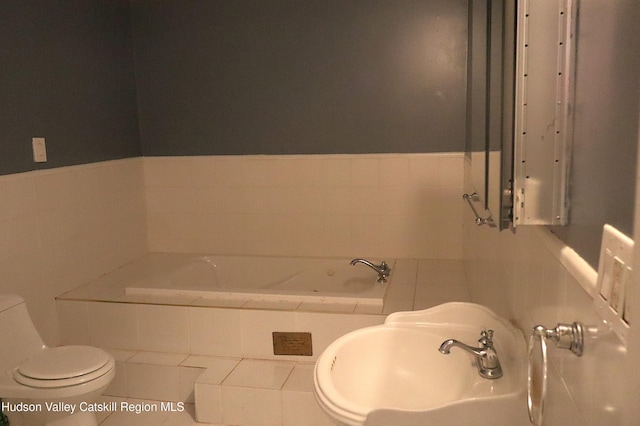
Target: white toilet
37 381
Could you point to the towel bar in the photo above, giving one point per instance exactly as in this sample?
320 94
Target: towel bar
470 198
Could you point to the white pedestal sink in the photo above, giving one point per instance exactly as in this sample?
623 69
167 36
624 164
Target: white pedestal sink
393 374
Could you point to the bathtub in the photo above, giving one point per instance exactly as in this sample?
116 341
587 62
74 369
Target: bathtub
262 278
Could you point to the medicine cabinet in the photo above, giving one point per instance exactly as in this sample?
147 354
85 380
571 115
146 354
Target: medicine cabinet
519 110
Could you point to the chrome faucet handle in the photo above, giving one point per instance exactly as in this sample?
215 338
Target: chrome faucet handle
486 338
486 357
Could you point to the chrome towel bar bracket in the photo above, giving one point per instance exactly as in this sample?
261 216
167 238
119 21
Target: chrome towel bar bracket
470 198
566 336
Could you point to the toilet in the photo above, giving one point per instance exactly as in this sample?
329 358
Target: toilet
40 385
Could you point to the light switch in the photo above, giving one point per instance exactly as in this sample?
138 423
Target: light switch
606 258
617 281
39 150
614 277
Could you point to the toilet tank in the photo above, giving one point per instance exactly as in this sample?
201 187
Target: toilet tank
19 338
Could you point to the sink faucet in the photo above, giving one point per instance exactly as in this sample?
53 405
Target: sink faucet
486 356
382 269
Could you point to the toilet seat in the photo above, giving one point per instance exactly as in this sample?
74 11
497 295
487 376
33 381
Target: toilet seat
63 366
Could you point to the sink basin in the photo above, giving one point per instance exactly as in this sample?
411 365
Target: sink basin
394 373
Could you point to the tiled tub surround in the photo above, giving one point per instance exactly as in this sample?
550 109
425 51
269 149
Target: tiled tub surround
61 227
100 313
238 280
163 344
385 205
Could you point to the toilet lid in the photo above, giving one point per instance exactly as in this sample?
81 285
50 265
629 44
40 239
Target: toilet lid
64 362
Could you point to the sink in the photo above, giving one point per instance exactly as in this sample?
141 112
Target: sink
394 373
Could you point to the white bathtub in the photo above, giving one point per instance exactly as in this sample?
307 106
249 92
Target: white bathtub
315 280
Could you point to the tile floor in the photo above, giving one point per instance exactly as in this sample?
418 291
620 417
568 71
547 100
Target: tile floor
225 390
131 418
244 392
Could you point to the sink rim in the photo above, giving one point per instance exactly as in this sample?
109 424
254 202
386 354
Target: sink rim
443 321
323 371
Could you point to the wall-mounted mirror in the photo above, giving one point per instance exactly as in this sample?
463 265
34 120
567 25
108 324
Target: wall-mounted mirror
490 94
519 99
476 144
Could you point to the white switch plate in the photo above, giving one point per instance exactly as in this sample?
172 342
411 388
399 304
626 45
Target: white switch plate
614 278
39 150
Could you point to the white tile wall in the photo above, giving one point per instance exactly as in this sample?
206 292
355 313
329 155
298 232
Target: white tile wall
216 331
163 328
395 205
631 412
209 402
440 281
62 227
237 333
251 406
112 325
521 277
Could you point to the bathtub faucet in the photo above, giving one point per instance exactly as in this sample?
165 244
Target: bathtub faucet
486 356
382 269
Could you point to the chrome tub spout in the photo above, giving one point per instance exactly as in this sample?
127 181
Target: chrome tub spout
382 269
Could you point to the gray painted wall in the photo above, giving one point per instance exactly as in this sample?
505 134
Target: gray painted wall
300 77
287 76
603 170
67 75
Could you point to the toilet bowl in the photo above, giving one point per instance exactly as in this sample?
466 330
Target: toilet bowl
40 385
